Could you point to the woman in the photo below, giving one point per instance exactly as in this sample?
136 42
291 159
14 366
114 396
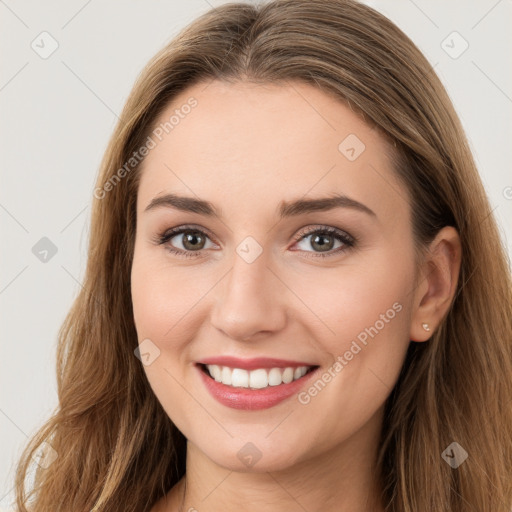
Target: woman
338 340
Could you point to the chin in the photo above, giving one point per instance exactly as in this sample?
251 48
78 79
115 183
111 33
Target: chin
252 457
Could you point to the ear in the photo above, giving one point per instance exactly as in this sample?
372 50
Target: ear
438 279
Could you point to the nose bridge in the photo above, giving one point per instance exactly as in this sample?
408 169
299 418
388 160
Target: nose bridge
248 299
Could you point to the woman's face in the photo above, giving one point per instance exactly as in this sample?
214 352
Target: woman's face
256 276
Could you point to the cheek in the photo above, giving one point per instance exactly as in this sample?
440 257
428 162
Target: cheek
365 300
157 308
367 315
162 297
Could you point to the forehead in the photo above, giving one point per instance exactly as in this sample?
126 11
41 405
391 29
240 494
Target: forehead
259 144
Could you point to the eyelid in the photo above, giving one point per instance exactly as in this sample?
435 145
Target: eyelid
164 237
170 233
322 228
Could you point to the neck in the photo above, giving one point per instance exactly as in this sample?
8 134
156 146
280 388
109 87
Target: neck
342 479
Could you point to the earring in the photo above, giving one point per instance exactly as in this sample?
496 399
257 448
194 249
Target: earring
426 327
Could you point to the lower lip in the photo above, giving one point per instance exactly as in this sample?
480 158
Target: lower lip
253 399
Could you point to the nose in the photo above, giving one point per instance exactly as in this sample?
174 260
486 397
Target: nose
249 301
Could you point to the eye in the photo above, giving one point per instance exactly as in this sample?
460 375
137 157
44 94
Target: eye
191 239
324 239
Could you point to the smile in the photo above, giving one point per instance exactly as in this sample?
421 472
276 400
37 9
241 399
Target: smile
254 384
255 379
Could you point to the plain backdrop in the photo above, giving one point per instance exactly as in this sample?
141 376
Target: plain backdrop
57 114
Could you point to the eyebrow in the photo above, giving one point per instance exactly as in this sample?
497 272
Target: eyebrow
285 209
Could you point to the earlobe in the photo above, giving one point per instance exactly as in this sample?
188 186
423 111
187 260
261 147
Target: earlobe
440 272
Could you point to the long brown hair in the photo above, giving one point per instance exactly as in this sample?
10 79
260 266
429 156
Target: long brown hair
117 448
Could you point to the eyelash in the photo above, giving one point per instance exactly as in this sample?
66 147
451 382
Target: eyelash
347 240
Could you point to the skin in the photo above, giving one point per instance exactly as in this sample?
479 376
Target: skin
287 303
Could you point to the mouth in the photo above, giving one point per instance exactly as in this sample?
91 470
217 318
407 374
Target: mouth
258 378
256 383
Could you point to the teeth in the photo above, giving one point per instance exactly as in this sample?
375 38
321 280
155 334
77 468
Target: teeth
255 379
297 374
226 375
215 372
274 377
287 375
239 378
258 379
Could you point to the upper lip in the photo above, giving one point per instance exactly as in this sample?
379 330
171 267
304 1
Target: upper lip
253 363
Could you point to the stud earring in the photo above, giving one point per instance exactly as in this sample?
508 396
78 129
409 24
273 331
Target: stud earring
426 327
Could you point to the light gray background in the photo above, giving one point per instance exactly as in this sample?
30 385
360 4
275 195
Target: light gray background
58 113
